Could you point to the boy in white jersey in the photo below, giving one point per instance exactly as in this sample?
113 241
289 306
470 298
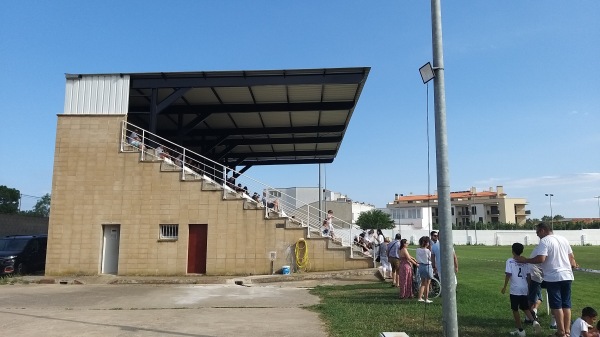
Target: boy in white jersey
516 273
584 325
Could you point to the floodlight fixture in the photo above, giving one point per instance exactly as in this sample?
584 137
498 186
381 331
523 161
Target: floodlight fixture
427 73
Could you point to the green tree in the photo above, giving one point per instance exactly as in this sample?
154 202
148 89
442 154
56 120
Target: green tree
9 200
375 219
42 207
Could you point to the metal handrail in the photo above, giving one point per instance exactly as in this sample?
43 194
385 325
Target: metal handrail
197 167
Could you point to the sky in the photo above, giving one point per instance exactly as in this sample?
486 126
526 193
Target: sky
522 85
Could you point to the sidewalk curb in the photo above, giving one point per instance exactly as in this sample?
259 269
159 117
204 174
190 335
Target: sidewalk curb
200 279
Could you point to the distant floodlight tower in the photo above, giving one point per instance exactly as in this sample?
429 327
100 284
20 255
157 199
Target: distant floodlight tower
550 195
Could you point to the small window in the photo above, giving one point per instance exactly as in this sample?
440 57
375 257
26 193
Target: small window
169 232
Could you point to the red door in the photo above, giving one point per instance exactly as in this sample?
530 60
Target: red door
197 249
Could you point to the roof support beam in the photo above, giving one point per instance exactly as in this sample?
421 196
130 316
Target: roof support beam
216 143
273 141
224 153
245 168
310 153
262 107
174 96
260 131
291 140
288 162
195 122
173 81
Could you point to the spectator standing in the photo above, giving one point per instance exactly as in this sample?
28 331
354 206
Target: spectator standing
516 274
370 241
534 292
394 259
424 268
385 269
437 256
405 272
378 240
555 256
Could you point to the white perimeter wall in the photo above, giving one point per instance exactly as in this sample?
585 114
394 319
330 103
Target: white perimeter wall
498 237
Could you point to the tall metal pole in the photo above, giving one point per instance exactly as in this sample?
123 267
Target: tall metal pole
320 200
598 197
449 317
551 217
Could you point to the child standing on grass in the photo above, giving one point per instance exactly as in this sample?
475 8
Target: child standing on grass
516 273
584 325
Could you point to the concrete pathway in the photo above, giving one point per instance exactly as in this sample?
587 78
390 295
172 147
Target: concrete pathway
102 306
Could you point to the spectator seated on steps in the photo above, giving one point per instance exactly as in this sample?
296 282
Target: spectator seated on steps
158 151
300 222
231 182
327 230
273 205
165 155
363 244
179 160
135 140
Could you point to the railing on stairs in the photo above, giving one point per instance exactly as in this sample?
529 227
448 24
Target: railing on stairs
193 166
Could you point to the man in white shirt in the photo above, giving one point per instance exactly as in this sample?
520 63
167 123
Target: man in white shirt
437 257
555 256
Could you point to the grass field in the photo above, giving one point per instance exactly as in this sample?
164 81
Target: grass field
363 310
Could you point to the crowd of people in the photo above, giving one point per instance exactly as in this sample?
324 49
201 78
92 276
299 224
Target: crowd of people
549 266
397 264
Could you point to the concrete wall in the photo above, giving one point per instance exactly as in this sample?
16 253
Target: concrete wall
14 224
95 185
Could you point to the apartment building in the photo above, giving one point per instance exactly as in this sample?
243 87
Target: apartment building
470 206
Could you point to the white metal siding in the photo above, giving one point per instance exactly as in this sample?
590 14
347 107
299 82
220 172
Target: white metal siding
97 94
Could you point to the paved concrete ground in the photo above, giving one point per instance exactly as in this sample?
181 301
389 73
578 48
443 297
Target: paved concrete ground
167 309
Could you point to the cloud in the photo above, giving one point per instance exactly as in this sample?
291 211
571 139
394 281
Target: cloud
544 181
575 112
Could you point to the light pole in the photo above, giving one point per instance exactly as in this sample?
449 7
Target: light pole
598 197
428 72
550 195
473 214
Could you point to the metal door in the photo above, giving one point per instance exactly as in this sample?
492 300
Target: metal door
197 249
110 249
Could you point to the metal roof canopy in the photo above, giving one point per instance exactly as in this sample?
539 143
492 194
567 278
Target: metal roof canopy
269 117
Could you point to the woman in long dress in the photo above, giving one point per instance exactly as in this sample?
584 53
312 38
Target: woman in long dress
406 271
